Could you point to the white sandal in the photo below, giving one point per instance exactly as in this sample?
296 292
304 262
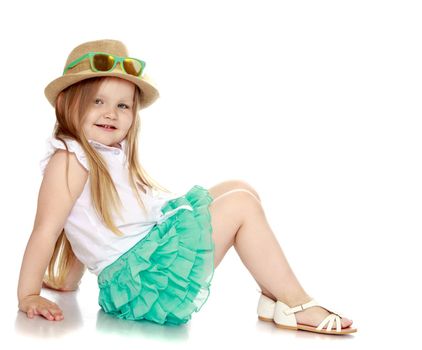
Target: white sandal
266 307
283 317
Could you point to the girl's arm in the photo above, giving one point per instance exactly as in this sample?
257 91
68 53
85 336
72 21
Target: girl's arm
54 206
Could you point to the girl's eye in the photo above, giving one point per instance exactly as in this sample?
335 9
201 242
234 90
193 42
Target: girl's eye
120 104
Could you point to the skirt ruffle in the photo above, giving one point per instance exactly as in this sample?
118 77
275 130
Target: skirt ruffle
167 275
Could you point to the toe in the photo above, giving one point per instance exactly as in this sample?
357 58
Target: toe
345 322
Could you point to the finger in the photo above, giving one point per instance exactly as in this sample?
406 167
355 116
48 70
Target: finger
52 309
59 317
58 314
33 312
46 314
56 311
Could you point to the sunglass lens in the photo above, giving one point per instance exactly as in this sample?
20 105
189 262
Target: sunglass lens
103 62
132 67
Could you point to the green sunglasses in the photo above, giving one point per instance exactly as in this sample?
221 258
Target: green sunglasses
106 62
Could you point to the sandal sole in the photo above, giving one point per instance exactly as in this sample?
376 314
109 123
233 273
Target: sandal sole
303 327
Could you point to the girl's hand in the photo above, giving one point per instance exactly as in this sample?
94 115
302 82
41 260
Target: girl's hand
37 305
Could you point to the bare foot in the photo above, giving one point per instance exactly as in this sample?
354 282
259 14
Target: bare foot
314 315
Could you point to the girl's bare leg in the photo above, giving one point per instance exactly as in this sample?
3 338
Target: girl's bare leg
238 220
235 184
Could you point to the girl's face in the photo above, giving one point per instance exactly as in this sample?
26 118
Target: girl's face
112 105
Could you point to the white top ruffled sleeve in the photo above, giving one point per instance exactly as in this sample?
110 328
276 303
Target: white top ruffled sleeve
53 144
93 243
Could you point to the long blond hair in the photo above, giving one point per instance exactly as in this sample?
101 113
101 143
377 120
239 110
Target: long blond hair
71 108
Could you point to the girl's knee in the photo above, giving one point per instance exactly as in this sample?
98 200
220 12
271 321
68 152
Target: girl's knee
230 185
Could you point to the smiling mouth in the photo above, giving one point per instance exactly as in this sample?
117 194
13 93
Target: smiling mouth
107 127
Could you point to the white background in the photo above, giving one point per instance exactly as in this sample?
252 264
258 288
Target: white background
316 104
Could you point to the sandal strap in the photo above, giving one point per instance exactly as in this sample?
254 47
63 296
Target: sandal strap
301 307
330 320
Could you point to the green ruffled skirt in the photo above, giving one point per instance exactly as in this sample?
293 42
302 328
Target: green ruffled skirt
167 275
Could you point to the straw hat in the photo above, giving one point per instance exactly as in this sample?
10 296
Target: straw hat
83 71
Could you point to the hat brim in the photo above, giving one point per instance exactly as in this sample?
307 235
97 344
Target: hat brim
150 93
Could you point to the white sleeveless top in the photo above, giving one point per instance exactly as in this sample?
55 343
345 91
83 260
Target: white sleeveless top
95 245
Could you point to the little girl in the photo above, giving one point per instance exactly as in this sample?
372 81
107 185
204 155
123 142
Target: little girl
154 252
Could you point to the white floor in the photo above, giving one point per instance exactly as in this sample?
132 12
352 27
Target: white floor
227 319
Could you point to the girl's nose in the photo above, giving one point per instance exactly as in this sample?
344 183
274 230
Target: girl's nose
110 114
